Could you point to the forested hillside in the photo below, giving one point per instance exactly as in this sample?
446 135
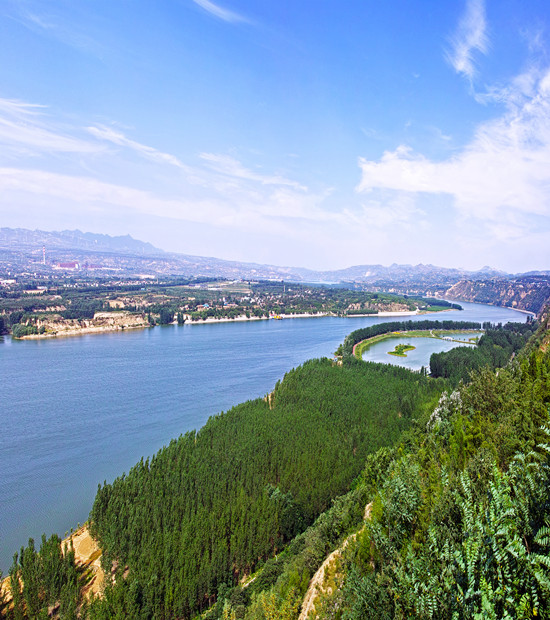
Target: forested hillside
215 504
458 524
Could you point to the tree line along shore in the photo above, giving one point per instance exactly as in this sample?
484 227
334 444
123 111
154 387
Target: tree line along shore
49 311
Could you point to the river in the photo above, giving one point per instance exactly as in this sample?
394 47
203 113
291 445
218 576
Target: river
77 411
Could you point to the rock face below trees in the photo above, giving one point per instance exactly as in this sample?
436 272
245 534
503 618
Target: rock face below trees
521 294
102 322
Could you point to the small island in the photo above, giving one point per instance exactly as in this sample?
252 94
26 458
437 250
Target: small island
401 350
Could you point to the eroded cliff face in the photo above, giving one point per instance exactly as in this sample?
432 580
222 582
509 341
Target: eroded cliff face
102 322
518 294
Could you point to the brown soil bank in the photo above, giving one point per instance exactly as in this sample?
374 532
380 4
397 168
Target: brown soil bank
102 322
87 557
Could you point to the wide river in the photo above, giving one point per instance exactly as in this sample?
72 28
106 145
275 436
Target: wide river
77 411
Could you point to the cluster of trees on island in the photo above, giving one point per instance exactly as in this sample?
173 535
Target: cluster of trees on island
233 520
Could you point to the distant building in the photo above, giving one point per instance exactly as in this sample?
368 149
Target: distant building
72 265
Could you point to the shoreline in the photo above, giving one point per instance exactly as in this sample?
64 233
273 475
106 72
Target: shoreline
80 332
518 310
66 333
486 303
87 558
304 315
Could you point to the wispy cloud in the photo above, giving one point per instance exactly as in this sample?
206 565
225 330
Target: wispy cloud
57 25
501 178
388 210
25 130
213 187
224 14
231 167
116 137
470 37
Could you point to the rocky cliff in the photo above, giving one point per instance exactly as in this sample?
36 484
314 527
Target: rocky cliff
522 294
102 322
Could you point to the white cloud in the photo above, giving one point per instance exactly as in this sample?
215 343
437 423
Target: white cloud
224 14
82 192
24 130
243 210
501 177
471 36
213 188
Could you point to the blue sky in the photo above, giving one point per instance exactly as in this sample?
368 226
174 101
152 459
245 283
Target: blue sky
316 133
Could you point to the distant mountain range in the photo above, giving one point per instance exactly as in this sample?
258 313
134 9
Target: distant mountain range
22 238
133 256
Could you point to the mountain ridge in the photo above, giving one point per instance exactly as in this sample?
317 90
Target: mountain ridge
60 244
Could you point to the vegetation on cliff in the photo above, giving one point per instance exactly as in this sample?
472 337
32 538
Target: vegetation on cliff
529 293
460 519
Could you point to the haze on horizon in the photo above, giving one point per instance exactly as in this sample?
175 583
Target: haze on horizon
315 134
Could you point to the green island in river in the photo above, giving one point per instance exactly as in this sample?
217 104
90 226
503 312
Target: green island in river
401 350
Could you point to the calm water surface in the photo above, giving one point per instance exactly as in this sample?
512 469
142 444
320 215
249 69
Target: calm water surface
77 411
420 356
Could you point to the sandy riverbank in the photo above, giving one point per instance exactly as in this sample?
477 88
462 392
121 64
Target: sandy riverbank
82 331
56 326
88 556
519 310
305 315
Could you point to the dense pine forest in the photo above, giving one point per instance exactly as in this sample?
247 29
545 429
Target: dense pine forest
214 505
233 521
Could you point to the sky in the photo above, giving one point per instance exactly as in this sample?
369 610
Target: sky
309 133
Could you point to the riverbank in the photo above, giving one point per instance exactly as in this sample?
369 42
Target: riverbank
102 322
81 332
305 315
105 322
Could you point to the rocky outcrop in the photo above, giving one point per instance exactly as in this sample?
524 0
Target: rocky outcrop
55 325
521 294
